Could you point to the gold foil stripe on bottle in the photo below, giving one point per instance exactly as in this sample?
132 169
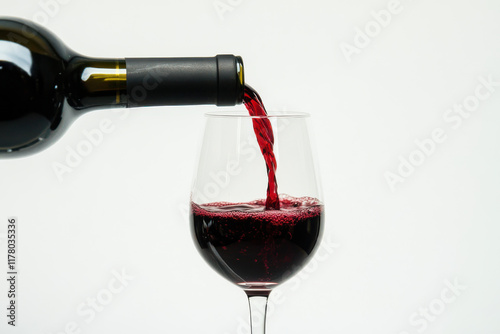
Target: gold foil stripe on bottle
102 79
117 87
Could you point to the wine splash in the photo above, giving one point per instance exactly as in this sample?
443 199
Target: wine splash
264 133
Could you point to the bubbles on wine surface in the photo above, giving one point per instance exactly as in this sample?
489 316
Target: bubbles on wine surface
290 208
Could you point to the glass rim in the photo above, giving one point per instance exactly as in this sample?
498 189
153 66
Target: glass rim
244 114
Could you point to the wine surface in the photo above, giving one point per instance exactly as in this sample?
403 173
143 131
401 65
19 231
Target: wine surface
252 246
265 138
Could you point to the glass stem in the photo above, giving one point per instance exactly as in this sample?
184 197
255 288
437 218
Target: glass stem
258 310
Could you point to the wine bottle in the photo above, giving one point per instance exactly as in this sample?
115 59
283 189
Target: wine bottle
45 86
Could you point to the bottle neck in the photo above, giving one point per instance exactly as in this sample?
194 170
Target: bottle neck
96 83
139 82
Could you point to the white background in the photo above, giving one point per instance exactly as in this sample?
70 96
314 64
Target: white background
123 207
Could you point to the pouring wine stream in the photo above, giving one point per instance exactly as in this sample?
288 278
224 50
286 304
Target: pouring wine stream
264 133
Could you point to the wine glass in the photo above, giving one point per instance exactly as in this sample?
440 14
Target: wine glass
254 247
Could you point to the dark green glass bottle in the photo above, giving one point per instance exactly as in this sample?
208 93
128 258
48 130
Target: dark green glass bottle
44 85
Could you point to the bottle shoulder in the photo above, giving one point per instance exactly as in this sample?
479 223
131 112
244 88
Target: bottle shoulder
34 38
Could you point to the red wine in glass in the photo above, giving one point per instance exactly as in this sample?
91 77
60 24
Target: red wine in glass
252 246
259 243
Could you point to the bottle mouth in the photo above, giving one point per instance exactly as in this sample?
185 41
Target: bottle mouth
244 114
230 80
240 73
